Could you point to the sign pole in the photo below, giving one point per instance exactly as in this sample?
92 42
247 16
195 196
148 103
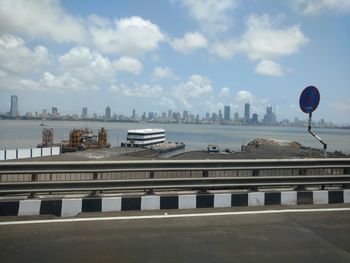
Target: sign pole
309 100
316 136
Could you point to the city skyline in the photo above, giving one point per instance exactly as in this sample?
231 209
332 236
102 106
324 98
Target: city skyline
179 54
269 118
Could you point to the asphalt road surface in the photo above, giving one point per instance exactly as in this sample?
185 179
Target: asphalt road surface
322 236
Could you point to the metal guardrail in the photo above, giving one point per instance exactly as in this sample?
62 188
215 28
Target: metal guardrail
175 184
170 165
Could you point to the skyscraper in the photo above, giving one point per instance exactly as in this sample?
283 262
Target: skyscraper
185 116
255 118
84 113
227 113
236 117
14 106
134 114
270 117
246 112
108 112
54 112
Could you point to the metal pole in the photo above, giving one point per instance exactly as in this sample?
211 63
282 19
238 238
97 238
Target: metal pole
316 136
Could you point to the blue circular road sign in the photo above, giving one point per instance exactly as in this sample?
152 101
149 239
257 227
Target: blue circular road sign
309 99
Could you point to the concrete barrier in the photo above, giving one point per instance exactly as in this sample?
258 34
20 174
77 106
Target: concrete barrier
71 207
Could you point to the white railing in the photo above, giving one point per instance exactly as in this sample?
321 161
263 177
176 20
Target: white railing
14 154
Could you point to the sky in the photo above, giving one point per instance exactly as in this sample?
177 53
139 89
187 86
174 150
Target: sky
193 55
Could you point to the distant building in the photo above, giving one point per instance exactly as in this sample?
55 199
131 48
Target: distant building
236 117
170 115
227 113
14 106
214 117
134 114
246 112
44 113
84 113
108 112
220 116
185 116
207 116
255 118
54 112
270 117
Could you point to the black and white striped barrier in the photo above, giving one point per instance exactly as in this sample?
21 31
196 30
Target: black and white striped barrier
71 207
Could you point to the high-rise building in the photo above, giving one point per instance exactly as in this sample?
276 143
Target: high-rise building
84 112
220 116
207 116
236 117
270 117
185 116
44 113
108 112
134 114
14 106
54 112
255 118
170 115
246 112
227 113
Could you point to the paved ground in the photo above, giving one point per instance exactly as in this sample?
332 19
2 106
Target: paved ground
287 237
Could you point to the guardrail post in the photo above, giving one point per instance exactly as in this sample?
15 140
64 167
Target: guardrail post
94 177
302 171
150 191
205 173
255 173
33 179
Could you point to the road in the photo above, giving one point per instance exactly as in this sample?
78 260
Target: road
307 236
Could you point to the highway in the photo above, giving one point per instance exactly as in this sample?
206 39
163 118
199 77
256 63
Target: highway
257 235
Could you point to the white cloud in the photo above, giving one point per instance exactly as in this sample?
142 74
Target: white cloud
343 105
225 93
189 42
88 66
197 86
244 96
128 64
270 68
43 19
137 90
61 83
167 103
317 7
212 15
131 36
263 40
17 59
163 73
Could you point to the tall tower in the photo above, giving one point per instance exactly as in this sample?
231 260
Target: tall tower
14 106
108 112
246 112
227 113
84 112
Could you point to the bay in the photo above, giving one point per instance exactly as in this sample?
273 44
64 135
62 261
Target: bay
28 133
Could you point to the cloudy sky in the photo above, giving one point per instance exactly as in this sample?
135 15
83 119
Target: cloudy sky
191 55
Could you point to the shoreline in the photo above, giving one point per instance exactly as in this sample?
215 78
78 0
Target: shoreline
251 152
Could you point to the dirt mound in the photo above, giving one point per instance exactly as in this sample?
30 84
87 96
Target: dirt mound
272 142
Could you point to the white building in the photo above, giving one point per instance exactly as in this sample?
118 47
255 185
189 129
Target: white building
145 137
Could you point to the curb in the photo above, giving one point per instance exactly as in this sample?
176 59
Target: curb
71 207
